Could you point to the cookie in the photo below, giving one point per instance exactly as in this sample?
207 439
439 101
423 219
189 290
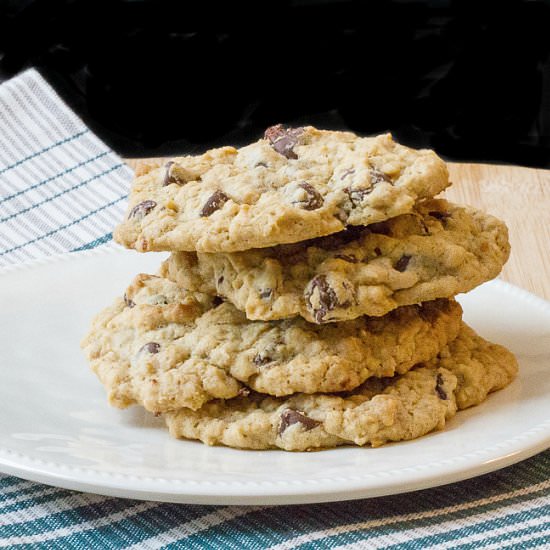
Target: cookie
167 348
438 251
293 184
380 411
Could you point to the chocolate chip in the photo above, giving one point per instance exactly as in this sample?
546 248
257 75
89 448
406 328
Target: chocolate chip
439 387
376 176
346 258
128 302
326 297
348 172
337 240
142 209
150 347
441 216
260 360
216 301
314 199
283 139
215 202
170 175
380 228
266 293
356 195
290 417
402 263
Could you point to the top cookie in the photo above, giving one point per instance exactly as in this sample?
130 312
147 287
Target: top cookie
294 184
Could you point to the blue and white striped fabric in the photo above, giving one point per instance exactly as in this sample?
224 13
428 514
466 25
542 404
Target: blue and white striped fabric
61 189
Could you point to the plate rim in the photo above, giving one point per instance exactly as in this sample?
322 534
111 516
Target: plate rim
396 481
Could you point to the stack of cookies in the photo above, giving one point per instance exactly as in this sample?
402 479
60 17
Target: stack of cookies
308 299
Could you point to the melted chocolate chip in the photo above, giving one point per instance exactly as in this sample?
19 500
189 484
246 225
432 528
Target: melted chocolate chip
441 216
290 417
439 387
326 296
142 209
266 293
376 176
260 360
380 228
357 195
314 199
348 172
337 240
402 263
170 176
150 347
128 302
216 301
283 139
215 202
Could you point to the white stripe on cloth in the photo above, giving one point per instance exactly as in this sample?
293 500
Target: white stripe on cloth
44 509
520 542
437 512
193 527
80 527
61 188
15 487
383 540
45 490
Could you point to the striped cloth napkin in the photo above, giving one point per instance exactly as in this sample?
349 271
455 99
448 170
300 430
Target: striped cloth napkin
61 190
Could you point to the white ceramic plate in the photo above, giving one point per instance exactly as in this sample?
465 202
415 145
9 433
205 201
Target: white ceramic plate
56 426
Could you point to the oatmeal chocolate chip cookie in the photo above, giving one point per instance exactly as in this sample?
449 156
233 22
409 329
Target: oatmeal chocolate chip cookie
166 348
380 411
437 251
293 184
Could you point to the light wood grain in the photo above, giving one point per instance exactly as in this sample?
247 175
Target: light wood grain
519 196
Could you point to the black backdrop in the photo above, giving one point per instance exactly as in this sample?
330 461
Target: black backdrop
470 79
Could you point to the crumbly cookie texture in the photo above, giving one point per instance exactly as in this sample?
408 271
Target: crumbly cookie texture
437 251
380 411
294 184
166 348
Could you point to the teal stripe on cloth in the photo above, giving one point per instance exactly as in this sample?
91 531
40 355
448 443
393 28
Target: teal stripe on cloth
42 151
64 193
93 244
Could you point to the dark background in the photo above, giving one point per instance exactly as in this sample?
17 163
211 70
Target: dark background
470 79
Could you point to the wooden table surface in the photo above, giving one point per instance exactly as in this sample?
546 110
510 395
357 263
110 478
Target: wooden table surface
519 196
